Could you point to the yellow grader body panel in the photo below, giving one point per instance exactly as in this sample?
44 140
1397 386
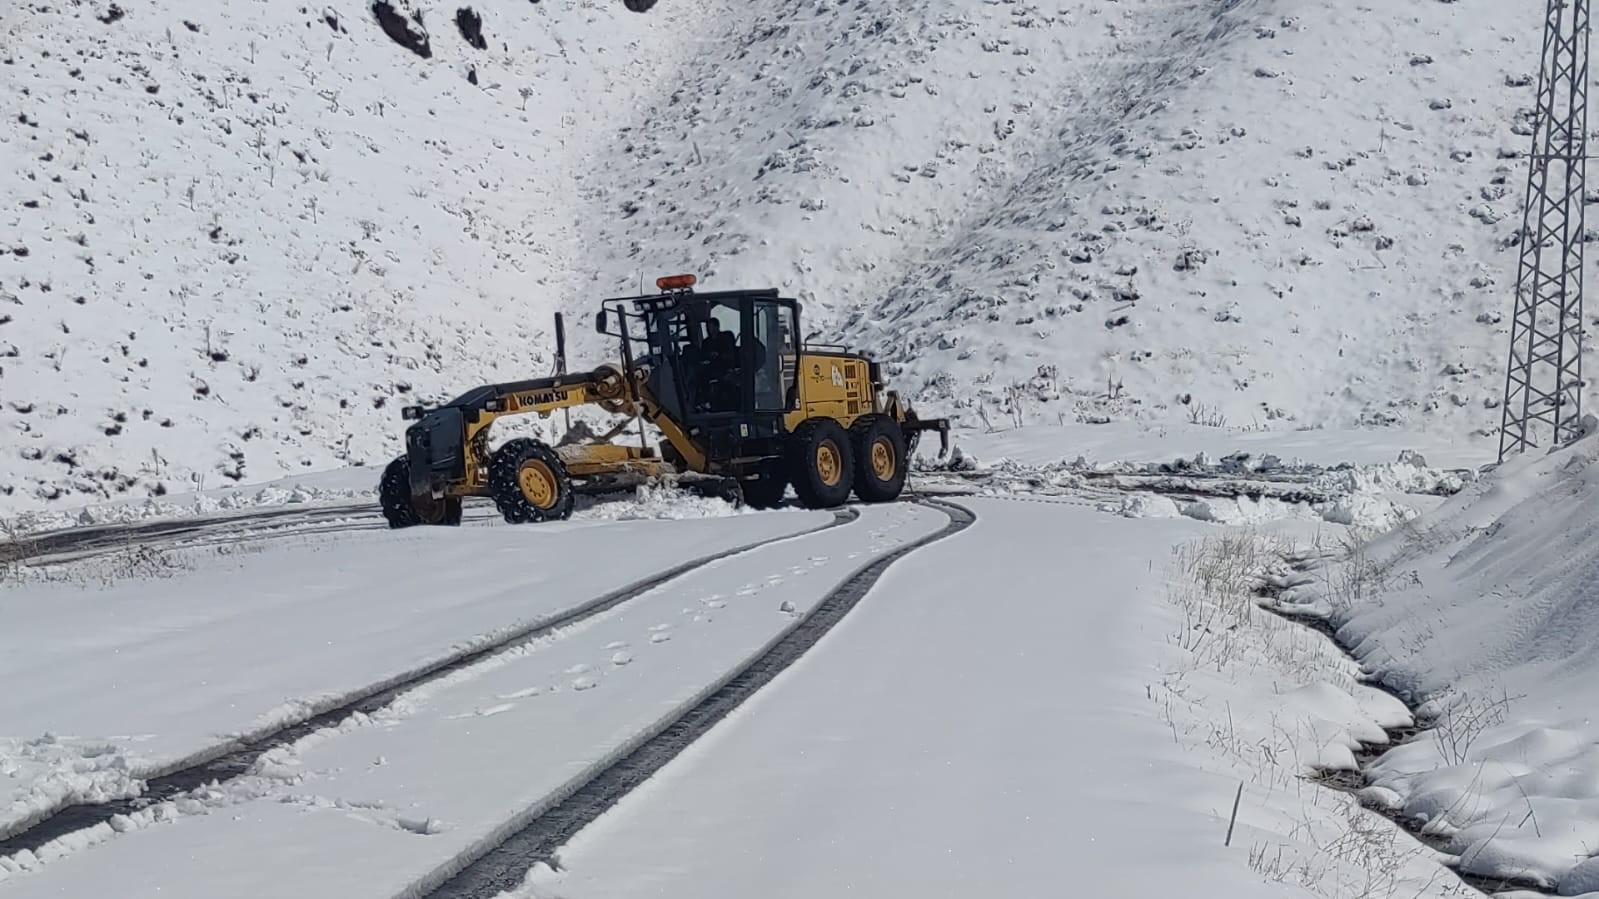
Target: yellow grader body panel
832 386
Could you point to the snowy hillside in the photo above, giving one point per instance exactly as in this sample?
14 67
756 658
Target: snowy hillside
235 236
1285 213
238 235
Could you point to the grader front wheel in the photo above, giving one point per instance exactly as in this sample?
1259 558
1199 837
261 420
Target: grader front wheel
530 483
765 490
402 510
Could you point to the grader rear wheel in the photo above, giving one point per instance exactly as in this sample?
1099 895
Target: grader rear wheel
530 483
880 459
820 463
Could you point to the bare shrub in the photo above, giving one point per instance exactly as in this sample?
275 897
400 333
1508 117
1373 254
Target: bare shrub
1363 857
1219 577
1206 416
1466 718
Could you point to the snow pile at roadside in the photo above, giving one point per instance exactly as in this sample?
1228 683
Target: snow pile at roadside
657 501
1237 489
199 505
39 776
1484 613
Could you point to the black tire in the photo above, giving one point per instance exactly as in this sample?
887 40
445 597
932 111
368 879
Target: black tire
820 465
765 490
548 494
880 458
400 508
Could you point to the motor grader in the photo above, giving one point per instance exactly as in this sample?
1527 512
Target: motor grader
742 405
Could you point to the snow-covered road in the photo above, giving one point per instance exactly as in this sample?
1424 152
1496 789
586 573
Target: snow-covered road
176 669
391 803
980 728
1023 703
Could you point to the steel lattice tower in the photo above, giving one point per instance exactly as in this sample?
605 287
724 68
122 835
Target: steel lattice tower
1543 385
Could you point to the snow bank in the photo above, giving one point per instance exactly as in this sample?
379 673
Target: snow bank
1238 488
658 501
1483 611
200 505
41 775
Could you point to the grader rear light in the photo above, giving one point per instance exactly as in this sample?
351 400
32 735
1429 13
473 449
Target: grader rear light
676 282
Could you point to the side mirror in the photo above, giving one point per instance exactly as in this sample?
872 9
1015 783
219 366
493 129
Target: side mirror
599 321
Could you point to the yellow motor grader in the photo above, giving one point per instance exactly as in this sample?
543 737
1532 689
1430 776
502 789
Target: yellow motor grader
742 405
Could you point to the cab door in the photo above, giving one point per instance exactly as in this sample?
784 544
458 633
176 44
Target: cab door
769 360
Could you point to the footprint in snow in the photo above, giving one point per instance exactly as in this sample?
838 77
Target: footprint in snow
584 683
618 644
660 636
579 669
655 628
713 603
787 607
521 694
749 591
622 658
489 712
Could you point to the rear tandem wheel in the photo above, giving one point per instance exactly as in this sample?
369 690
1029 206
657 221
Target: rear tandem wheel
881 457
821 464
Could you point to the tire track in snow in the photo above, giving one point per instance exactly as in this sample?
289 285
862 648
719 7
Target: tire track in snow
235 757
501 861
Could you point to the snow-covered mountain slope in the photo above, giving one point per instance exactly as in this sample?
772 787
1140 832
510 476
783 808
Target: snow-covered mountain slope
237 236
1290 213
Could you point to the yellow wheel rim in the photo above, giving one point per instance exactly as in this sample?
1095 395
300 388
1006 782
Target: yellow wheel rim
883 459
538 484
829 466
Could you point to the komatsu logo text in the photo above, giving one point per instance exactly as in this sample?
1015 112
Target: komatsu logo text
541 398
